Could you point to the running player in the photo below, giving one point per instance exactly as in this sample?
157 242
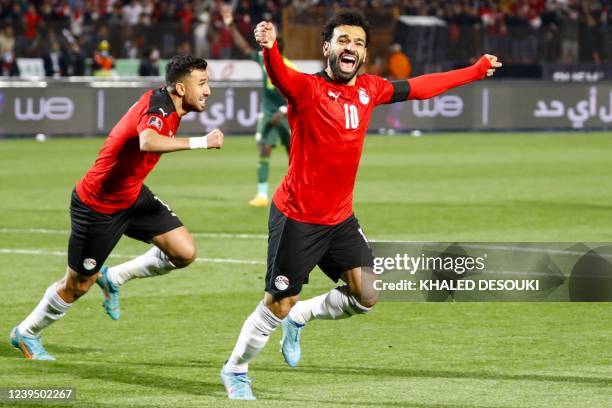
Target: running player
311 218
111 200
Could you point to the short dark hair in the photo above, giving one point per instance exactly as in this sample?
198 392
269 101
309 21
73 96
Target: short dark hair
181 65
346 17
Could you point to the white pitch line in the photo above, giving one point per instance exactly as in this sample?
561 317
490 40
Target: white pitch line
60 253
46 231
493 246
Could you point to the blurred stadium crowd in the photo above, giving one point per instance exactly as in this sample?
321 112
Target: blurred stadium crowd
79 37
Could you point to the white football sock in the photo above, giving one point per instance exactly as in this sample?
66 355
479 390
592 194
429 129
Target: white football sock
152 263
253 337
50 308
333 305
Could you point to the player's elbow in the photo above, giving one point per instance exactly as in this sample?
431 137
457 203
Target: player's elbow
145 142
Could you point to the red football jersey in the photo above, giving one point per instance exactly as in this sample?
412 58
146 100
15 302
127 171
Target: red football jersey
114 181
328 124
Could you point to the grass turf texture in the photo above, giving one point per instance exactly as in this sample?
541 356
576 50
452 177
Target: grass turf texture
176 330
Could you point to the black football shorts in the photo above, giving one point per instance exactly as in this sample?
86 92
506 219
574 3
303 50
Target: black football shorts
94 235
295 248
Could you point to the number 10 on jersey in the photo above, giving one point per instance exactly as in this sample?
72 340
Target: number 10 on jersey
351 116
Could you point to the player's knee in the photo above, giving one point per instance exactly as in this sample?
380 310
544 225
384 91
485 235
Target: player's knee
368 301
185 256
265 152
363 302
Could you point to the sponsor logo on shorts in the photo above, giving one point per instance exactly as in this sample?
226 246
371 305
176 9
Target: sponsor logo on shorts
281 282
89 264
156 122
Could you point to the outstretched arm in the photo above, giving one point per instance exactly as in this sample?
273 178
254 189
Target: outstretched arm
228 20
430 85
291 83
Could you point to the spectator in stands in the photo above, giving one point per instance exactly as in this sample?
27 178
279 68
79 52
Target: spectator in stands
398 63
187 18
7 40
132 11
31 23
551 50
103 61
8 65
149 64
495 30
223 44
184 48
55 60
202 46
76 60
569 34
590 40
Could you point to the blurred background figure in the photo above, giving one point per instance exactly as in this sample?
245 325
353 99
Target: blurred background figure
56 60
149 64
8 65
7 39
76 60
398 63
527 34
103 61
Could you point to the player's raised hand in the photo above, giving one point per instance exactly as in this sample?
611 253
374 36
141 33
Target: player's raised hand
265 34
494 62
214 139
227 15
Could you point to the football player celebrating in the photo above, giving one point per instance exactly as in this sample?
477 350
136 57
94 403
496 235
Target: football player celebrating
111 200
311 218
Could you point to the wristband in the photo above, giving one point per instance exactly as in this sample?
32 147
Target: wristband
198 142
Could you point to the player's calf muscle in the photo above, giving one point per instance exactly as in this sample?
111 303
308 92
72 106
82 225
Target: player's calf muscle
280 307
73 285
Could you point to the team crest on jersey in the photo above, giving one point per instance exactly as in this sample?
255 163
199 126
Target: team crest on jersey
89 264
281 282
364 98
155 122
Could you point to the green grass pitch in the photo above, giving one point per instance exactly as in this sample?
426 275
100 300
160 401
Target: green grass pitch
176 330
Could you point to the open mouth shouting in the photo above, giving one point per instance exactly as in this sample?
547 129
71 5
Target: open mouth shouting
347 62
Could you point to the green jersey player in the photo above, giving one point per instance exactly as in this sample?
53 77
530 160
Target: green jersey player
272 125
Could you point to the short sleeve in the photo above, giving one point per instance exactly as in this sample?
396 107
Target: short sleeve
154 122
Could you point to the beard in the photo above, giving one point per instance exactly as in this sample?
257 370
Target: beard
194 106
334 64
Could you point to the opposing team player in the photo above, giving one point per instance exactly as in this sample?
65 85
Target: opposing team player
111 200
272 123
311 219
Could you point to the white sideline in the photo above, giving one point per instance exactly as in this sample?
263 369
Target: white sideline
491 246
60 253
66 232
